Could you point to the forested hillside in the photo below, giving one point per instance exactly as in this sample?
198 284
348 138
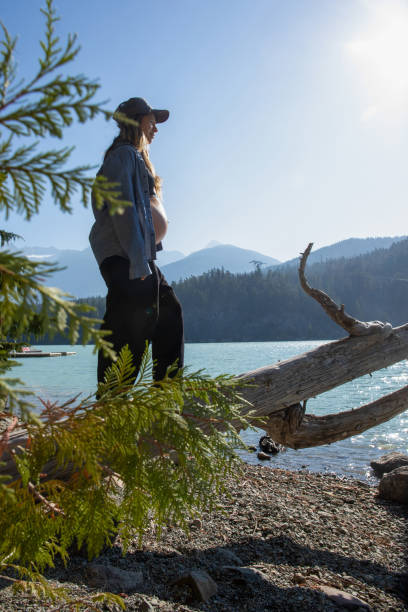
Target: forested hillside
221 306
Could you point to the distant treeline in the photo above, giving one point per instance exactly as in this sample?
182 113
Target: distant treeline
223 307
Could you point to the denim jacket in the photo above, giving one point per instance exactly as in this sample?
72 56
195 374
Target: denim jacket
130 234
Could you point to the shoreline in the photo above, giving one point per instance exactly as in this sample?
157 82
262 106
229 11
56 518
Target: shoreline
320 460
345 457
278 541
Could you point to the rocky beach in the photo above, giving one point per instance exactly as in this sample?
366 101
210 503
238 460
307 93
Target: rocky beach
280 540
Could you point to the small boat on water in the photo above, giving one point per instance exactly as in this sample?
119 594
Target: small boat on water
26 351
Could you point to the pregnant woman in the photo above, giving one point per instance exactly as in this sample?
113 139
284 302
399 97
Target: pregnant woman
140 306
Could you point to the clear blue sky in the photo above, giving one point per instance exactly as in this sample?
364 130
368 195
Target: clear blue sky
288 120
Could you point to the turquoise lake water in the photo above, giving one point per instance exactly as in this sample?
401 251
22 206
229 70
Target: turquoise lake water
60 378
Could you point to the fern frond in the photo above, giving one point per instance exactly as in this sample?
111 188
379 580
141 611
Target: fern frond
6 237
7 65
105 191
53 56
31 582
27 175
27 306
126 436
50 114
121 374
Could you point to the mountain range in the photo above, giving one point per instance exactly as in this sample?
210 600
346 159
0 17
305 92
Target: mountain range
227 256
352 247
81 277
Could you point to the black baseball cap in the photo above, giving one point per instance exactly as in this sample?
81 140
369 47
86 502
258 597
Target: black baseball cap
138 106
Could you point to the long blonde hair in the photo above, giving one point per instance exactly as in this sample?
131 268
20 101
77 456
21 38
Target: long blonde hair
133 134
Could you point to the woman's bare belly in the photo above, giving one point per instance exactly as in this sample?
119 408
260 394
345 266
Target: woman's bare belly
160 222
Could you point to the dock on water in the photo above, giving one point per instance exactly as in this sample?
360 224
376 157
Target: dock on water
34 353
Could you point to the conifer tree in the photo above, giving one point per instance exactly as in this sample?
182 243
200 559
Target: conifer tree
118 448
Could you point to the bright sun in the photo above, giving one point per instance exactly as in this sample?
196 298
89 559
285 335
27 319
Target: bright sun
381 54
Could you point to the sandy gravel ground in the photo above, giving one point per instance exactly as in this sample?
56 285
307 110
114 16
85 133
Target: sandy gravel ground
276 542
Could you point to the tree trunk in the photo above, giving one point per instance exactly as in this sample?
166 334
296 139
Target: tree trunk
278 389
315 431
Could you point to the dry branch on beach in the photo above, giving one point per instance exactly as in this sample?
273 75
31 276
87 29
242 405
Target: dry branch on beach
279 392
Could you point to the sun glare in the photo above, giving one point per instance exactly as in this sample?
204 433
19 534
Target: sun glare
381 54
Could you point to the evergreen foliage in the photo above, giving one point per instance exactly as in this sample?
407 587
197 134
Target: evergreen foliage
117 447
30 110
118 451
6 237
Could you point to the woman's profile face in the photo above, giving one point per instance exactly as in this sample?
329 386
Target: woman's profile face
148 126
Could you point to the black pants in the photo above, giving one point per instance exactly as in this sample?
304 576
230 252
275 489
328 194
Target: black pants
138 311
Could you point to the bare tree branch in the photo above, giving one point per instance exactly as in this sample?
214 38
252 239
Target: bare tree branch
315 431
353 326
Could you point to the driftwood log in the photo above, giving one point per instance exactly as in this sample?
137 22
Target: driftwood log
279 392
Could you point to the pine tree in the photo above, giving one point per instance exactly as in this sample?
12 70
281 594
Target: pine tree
118 447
